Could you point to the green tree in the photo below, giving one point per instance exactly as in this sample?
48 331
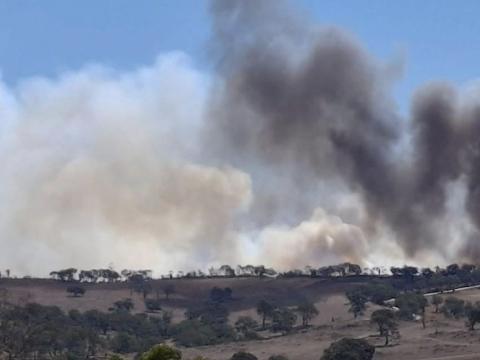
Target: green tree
358 302
115 357
168 290
242 355
349 349
162 352
453 307
437 300
123 305
411 304
76 290
473 314
265 310
283 319
246 326
307 311
385 321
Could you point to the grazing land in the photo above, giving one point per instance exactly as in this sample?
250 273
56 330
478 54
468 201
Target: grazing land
443 338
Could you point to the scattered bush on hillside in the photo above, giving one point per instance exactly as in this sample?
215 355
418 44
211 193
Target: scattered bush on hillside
219 295
472 312
153 305
283 319
385 320
115 357
123 305
246 327
162 352
410 304
242 355
204 325
453 307
349 349
168 290
358 301
76 290
277 357
437 300
307 311
265 310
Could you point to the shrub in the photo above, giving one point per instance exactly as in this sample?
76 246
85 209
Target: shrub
246 326
242 355
115 357
410 304
453 307
283 319
349 349
76 290
124 343
162 352
153 305
194 333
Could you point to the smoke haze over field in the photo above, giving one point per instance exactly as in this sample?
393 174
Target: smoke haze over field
289 153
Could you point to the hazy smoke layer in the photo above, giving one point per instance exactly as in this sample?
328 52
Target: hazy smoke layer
289 153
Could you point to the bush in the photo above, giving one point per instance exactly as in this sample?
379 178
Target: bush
124 343
246 326
194 333
153 305
242 355
453 307
283 319
76 290
349 349
115 357
162 352
410 304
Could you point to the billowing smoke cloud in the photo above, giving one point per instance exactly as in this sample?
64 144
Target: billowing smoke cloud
292 96
289 153
94 170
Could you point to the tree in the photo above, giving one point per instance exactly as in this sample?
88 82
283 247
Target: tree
473 315
307 311
358 302
437 300
64 275
265 310
453 307
115 357
220 295
246 326
152 305
168 290
162 352
76 290
385 321
283 319
123 305
427 273
349 349
411 304
242 355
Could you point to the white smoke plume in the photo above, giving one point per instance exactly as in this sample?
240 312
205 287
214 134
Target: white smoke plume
289 153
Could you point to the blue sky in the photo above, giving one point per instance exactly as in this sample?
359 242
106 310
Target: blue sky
437 38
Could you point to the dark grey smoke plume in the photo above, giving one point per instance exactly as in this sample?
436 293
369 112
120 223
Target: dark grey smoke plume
292 96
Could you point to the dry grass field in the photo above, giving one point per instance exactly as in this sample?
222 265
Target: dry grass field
443 339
